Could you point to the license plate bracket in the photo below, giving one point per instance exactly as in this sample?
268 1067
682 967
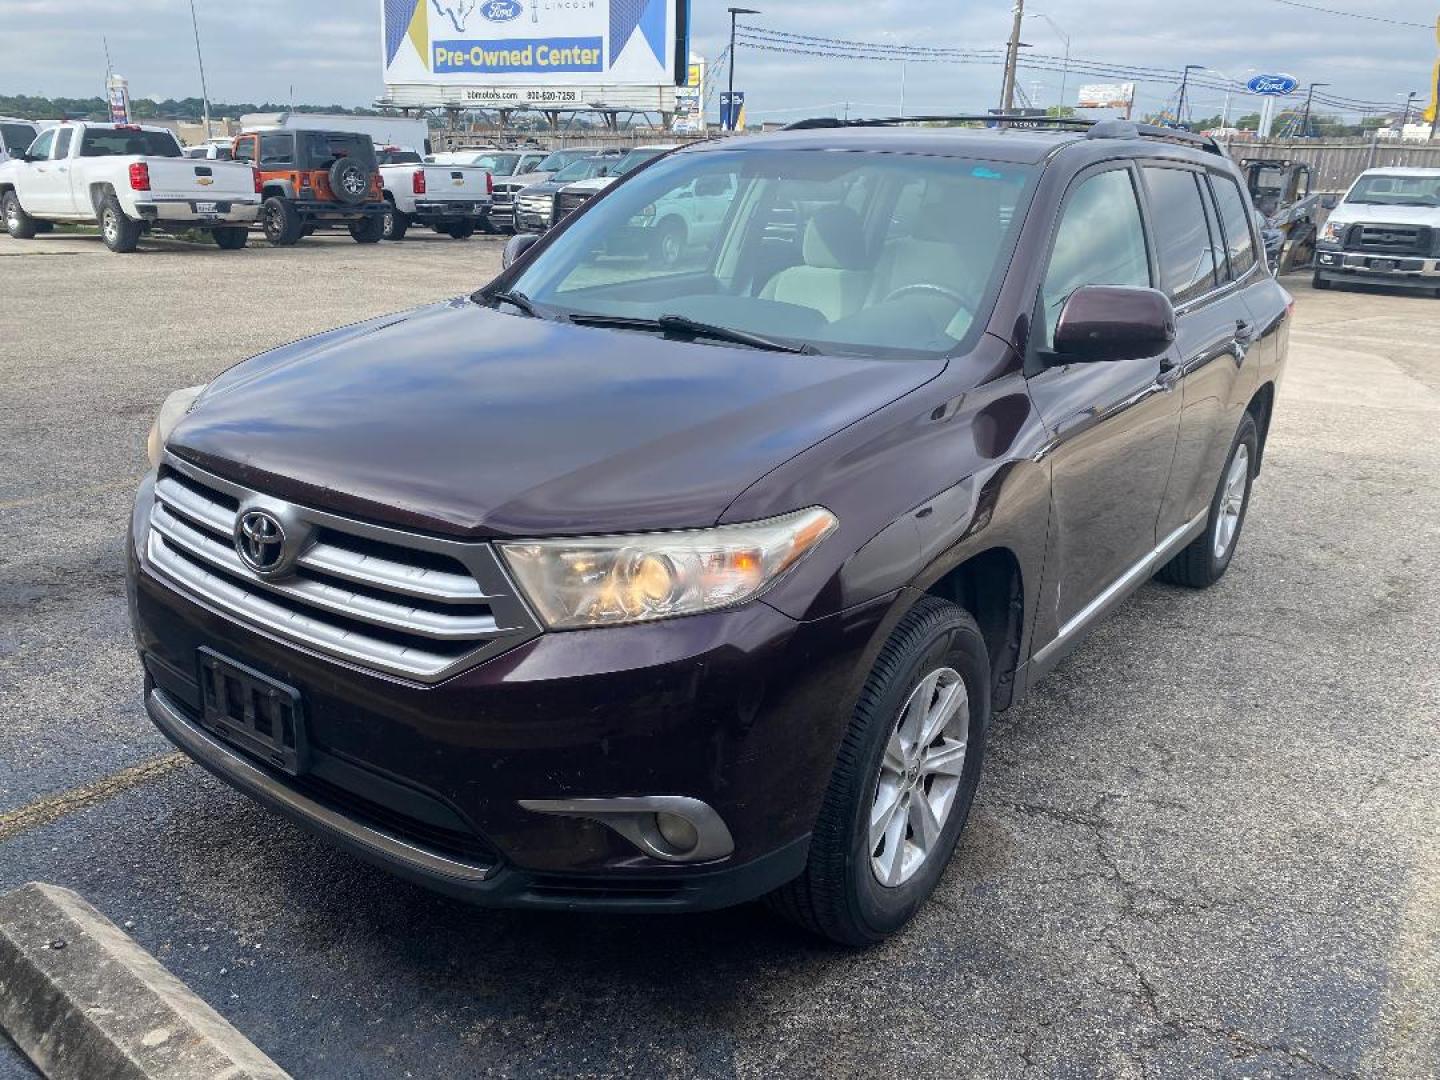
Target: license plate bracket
1384 265
259 715
207 208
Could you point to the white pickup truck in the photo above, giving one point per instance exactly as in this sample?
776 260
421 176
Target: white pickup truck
452 199
1386 231
129 179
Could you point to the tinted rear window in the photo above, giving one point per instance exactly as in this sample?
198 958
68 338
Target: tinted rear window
322 148
110 142
1182 234
400 157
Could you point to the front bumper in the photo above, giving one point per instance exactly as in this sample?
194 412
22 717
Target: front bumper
742 709
1413 271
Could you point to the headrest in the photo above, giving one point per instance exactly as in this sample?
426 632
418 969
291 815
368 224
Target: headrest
834 240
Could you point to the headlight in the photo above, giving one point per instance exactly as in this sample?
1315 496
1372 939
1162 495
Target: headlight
609 580
171 413
1333 233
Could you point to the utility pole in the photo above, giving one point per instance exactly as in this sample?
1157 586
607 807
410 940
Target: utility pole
1012 59
1309 99
204 92
1184 85
734 113
1406 118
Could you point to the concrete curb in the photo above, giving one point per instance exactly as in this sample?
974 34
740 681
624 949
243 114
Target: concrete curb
82 1000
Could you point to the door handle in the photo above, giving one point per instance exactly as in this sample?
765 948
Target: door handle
1244 331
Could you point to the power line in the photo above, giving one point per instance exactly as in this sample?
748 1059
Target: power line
1353 14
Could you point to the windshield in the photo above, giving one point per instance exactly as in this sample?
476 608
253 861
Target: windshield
635 158
497 164
400 157
560 158
579 170
16 136
1395 190
128 142
879 255
323 147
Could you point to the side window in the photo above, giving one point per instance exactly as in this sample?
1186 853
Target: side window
277 150
62 145
1100 241
40 148
1235 216
1182 239
245 150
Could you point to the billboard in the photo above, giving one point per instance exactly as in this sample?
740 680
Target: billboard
535 53
1106 96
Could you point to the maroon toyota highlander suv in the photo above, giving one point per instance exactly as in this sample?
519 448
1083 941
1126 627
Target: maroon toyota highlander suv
637 586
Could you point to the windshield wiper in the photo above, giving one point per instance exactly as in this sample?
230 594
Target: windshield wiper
686 326
516 299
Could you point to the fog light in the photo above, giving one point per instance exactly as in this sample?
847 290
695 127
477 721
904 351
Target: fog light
678 832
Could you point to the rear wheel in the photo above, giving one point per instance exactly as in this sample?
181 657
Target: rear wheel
1205 560
18 224
669 242
397 222
368 230
460 230
281 222
121 234
903 783
231 237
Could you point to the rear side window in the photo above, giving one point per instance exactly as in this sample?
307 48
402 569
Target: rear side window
245 150
1100 241
1182 238
277 150
1235 217
122 142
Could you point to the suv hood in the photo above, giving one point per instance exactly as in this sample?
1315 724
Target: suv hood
462 420
595 183
525 179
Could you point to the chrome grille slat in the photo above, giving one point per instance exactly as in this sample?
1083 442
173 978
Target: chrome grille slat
350 594
318 594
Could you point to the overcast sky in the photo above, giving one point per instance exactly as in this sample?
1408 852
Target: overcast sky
258 49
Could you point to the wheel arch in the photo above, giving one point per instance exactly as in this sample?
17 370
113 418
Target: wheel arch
1261 405
990 585
99 192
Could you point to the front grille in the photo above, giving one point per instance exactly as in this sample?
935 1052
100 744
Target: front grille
569 201
394 601
504 194
1384 239
535 205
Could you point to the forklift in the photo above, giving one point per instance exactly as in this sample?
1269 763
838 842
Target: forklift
1281 191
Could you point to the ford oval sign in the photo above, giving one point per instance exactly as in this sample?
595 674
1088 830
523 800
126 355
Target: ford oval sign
1272 85
500 10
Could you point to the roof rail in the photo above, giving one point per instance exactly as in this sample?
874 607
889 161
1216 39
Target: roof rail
1094 129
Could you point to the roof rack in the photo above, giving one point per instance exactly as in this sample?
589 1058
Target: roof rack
1094 129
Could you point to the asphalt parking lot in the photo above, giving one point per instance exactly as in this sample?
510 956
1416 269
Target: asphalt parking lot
1208 845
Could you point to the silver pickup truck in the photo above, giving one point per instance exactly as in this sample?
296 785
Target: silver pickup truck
1386 231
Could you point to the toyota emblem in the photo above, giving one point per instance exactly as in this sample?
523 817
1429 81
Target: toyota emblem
260 541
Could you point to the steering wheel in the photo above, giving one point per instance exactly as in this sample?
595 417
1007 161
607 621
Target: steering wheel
925 286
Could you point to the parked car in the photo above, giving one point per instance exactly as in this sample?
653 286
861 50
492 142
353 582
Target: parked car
314 179
410 132
576 195
502 205
652 589
214 150
15 137
451 199
535 204
1386 231
130 180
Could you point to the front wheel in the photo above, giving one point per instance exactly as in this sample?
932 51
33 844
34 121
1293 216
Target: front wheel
231 237
1205 560
18 224
281 222
1318 282
670 239
903 783
121 234
368 230
397 223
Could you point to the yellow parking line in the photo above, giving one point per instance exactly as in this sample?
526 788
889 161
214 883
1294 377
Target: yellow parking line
44 811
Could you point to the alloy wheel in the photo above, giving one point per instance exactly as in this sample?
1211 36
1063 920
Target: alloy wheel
1232 501
110 226
919 777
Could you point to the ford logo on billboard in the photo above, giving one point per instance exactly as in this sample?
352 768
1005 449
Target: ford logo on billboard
500 10
1272 85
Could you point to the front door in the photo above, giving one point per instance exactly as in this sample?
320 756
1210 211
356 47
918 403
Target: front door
1112 424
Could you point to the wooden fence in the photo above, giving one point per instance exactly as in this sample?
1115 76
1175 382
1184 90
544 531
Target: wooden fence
1337 164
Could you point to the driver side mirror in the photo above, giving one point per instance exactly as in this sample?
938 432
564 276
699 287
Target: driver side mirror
1114 322
516 246
1329 202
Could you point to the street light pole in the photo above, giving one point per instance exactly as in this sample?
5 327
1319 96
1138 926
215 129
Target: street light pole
1309 99
1065 67
204 92
734 11
1404 120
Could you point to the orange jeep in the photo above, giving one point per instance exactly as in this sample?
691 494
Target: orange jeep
314 179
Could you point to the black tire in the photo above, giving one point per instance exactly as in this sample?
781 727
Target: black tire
120 233
18 224
669 243
460 230
1318 282
396 223
231 237
838 895
1198 566
280 221
368 230
43 227
349 180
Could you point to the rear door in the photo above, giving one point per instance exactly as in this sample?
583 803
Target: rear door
1112 424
